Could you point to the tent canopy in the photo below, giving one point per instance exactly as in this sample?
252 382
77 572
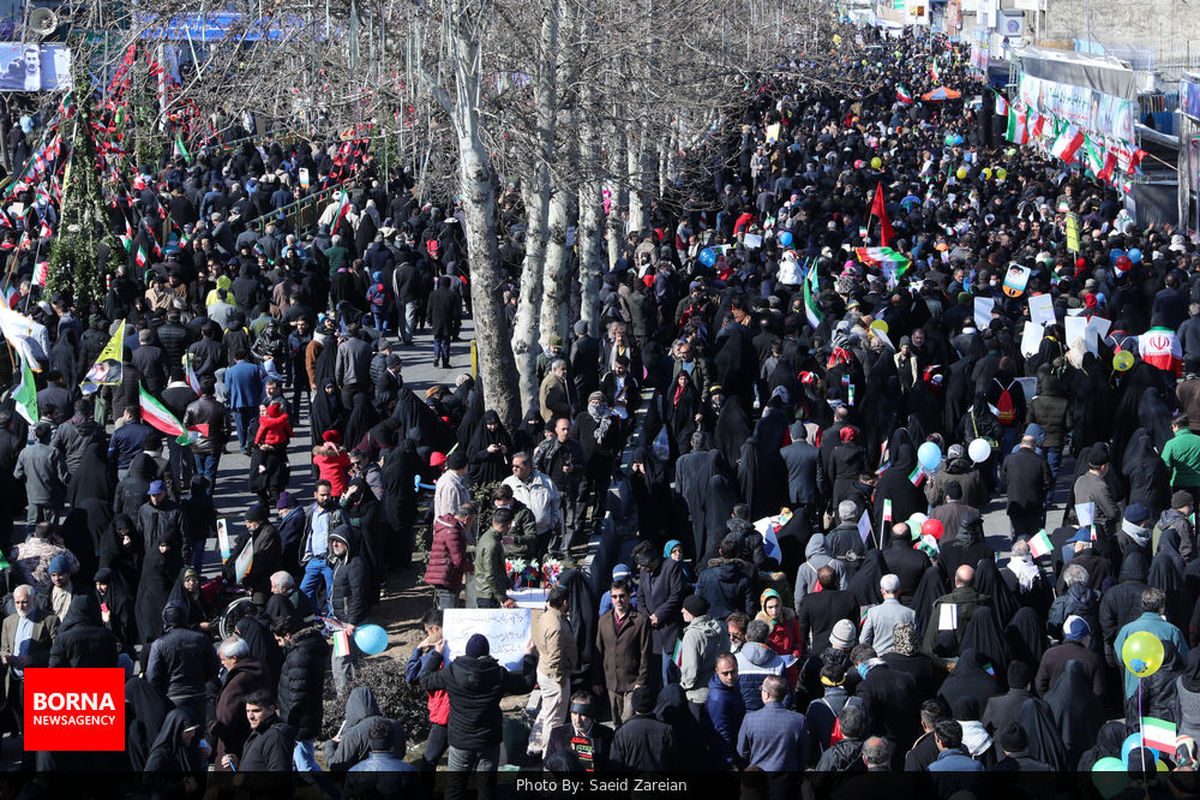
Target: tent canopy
942 93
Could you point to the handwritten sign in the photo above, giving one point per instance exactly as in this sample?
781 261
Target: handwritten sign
507 631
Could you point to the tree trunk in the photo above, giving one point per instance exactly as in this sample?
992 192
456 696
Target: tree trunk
526 332
590 233
477 185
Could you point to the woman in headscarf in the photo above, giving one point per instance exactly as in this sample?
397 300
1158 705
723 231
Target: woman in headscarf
968 547
490 451
784 638
732 428
530 433
971 678
672 708
159 572
1155 416
895 483
116 609
362 418
1165 574
1045 743
988 581
984 636
849 460
93 479
865 583
145 710
719 501
177 749
1093 399
328 413
1076 713
1147 475
1025 636
650 481
187 595
1108 745
121 550
1187 692
683 405
932 586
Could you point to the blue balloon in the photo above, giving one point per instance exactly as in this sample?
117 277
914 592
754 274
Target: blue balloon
1132 741
929 456
708 256
371 639
1135 255
1114 254
785 238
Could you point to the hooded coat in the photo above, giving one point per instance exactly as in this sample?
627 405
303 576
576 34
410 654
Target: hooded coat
475 686
82 640
353 742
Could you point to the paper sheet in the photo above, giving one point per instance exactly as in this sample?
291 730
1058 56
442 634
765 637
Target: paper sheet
1085 513
1031 338
983 312
1041 309
947 617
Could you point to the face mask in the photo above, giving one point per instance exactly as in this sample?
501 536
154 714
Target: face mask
862 670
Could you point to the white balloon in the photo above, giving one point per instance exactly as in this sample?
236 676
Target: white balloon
979 450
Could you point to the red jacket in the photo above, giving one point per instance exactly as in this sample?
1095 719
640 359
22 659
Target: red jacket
448 560
273 427
334 466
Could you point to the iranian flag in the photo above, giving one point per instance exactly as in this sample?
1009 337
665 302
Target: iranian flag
1159 347
1018 132
902 94
343 208
1092 156
193 381
140 256
1040 545
1067 144
1038 127
917 476
1159 734
811 290
25 395
1110 163
883 257
158 416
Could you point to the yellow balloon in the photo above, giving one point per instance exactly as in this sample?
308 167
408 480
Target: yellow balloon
1142 653
1001 173
876 162
880 325
987 173
1122 361
962 173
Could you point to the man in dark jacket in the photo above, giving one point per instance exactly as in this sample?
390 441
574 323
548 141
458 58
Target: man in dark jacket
159 518
208 417
1075 647
1005 708
726 708
624 650
244 675
821 610
445 315
583 741
181 662
807 482
475 682
1029 481
302 685
268 748
904 562
349 598
893 704
725 584
353 741
644 743
1014 743
82 639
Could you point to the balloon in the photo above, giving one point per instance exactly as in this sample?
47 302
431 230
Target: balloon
929 456
1122 361
880 325
915 522
876 162
979 450
933 527
1132 741
708 256
961 173
1135 255
1142 653
371 639
1109 764
785 238
1114 254
1001 173
987 173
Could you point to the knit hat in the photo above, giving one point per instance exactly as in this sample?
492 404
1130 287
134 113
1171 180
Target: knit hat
1137 513
341 534
60 564
596 397
157 487
285 501
456 460
256 513
956 451
844 636
643 700
333 437
555 340
1075 628
1180 499
695 605
621 572
477 646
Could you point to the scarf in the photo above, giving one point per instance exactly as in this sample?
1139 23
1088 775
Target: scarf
1136 532
1025 571
603 418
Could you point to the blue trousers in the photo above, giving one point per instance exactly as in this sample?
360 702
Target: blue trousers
316 570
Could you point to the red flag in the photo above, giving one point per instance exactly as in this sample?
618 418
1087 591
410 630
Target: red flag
879 209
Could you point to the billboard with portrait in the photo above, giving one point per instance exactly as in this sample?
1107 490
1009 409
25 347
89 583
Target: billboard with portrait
33 67
1088 109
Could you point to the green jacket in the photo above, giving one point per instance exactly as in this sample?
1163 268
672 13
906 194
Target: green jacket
1182 456
491 579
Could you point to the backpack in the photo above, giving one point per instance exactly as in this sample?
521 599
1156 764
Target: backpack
1006 413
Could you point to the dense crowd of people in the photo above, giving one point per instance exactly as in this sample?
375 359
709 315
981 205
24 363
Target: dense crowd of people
792 573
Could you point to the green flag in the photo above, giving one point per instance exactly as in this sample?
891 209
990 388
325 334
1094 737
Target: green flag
25 395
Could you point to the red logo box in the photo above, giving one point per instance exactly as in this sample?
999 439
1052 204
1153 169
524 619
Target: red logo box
75 709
